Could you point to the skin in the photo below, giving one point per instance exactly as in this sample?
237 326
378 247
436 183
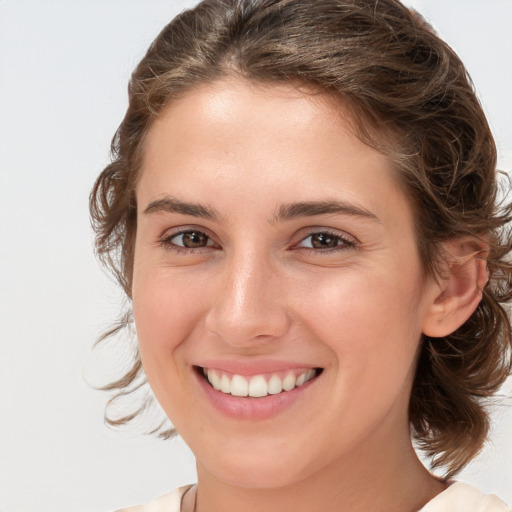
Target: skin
258 291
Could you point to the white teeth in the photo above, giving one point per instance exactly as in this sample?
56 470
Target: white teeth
214 379
239 386
225 384
274 385
257 386
289 382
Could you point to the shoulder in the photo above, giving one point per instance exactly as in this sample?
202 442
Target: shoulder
461 497
170 502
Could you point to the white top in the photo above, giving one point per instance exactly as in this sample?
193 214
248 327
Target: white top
459 497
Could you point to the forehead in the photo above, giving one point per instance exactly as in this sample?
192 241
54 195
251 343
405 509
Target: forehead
224 104
260 140
234 112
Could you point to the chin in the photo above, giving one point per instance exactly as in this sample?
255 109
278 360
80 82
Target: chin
256 476
257 468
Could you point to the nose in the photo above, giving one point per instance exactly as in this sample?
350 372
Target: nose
249 306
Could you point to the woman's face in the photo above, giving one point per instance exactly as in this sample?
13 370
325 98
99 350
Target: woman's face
275 251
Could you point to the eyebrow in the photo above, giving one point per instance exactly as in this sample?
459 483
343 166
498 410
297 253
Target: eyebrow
285 212
170 204
312 208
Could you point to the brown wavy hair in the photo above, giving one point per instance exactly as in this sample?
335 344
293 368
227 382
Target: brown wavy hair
410 97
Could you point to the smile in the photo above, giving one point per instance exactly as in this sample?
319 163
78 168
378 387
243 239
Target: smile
258 386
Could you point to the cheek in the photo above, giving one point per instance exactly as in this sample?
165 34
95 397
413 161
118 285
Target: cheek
164 318
165 312
371 327
367 319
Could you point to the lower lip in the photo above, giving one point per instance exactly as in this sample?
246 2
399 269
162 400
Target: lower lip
250 408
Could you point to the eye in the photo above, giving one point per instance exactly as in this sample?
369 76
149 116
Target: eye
190 239
325 240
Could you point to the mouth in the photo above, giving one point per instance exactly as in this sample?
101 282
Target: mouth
260 385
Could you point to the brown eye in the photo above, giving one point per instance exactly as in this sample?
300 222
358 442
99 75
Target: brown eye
191 239
325 240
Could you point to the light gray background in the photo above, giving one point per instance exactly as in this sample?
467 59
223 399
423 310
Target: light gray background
64 66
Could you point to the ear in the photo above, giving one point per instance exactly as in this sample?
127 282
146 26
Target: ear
459 288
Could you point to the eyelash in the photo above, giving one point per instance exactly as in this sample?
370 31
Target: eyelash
166 241
343 242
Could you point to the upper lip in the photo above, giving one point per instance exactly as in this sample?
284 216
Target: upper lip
248 368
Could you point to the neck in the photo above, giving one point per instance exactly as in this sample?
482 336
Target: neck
375 480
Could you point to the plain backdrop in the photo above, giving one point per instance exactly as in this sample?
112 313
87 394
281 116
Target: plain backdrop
64 66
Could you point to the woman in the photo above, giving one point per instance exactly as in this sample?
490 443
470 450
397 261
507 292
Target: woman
302 208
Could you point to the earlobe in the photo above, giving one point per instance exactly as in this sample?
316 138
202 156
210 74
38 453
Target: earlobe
460 287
